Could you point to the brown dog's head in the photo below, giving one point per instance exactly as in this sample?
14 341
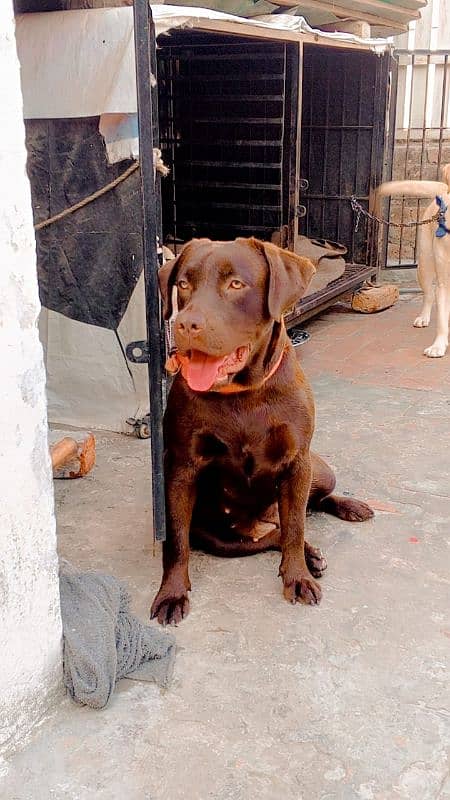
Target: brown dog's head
229 295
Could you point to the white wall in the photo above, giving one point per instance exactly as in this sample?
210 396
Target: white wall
30 626
426 81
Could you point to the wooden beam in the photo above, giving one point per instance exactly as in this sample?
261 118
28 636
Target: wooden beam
72 456
356 27
63 451
282 35
386 16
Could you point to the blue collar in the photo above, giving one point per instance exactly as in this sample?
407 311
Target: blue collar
442 228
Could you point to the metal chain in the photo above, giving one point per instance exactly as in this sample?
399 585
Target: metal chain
360 210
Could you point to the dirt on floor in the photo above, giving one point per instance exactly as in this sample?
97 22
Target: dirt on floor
345 701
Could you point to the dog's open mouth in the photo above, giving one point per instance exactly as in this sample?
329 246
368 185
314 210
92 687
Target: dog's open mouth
202 371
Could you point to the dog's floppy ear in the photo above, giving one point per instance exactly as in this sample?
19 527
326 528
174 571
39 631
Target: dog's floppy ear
289 277
167 275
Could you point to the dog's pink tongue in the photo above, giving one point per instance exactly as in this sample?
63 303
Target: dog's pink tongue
202 371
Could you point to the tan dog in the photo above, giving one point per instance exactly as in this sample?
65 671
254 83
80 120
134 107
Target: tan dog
433 255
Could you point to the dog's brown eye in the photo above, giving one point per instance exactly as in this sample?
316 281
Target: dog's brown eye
183 285
235 284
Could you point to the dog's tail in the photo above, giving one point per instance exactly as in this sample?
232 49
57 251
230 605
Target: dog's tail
446 176
413 188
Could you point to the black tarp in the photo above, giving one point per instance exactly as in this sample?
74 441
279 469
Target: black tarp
89 262
22 6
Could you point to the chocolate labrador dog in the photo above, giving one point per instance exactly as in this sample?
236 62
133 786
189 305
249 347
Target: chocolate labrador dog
239 420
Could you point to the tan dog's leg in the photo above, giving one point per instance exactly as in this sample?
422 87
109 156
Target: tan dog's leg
425 275
440 344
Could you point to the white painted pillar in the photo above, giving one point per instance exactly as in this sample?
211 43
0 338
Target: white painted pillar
30 625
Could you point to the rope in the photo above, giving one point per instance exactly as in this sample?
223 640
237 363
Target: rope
89 199
359 209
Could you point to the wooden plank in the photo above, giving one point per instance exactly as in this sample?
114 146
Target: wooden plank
255 31
401 42
375 11
420 60
356 27
383 31
370 299
422 33
63 451
443 33
73 455
411 5
393 11
414 4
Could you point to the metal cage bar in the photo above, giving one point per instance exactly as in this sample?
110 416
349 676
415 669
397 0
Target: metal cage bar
228 121
144 37
343 128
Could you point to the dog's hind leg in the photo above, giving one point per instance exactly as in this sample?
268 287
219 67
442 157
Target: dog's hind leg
425 277
240 546
442 266
322 499
440 344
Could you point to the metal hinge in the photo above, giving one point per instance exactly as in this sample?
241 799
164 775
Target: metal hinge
138 352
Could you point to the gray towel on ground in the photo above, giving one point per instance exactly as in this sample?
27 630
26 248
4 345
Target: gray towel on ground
103 642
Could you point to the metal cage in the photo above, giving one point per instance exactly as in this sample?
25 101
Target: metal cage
225 131
266 136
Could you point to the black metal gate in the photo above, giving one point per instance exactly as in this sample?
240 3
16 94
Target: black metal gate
343 125
228 129
422 143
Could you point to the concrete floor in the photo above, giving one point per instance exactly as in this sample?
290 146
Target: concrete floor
346 701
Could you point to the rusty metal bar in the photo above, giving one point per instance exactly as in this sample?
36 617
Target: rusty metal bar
144 38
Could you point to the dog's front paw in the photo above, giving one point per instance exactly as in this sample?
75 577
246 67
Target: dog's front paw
170 605
436 350
421 321
300 587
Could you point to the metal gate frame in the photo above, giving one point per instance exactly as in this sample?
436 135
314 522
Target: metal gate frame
153 348
410 207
